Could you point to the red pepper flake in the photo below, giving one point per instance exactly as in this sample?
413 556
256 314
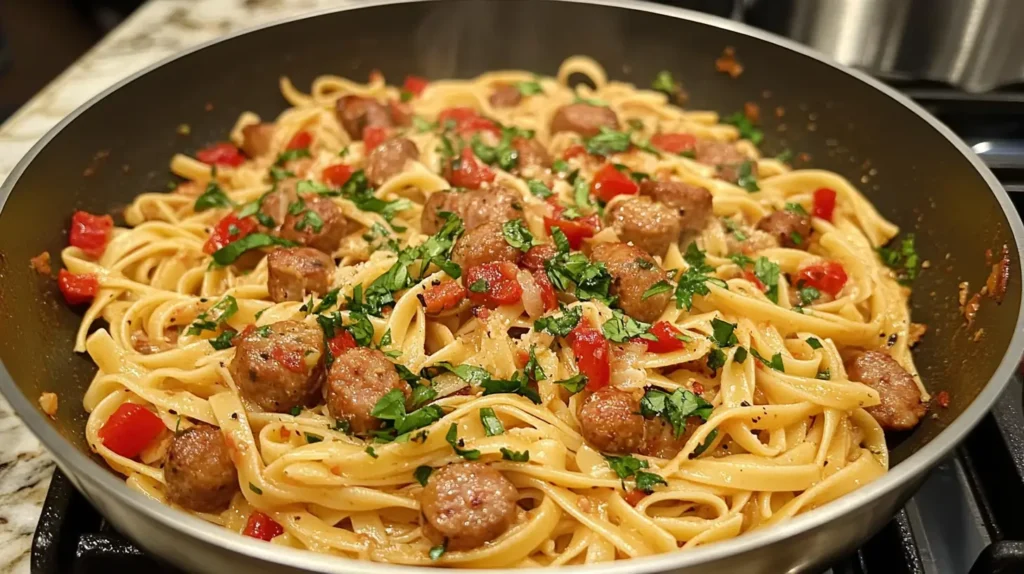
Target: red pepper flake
698 388
942 399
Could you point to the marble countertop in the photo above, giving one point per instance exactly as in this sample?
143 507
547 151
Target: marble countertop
155 31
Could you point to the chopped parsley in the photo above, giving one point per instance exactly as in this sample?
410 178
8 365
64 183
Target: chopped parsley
574 384
674 407
391 408
232 251
507 454
519 384
470 373
559 325
824 375
740 355
665 83
903 259
538 188
517 235
422 126
479 286
255 488
291 154
213 317
312 438
452 437
646 481
796 208
223 341
213 197
369 450
422 474
746 178
808 295
491 422
707 443
533 368
529 88
621 328
746 127
310 219
786 156
608 141
734 228
438 551
694 281
814 343
723 333
591 280
657 289
630 467
767 273
775 362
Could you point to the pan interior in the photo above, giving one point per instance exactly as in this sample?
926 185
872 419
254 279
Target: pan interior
120 147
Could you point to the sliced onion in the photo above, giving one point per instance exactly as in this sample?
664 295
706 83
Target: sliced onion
447 384
533 302
627 373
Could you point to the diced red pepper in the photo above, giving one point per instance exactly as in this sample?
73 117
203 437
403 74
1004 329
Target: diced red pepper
341 342
573 151
824 203
262 526
290 359
668 338
547 290
301 140
228 230
337 174
633 497
610 182
942 399
575 230
90 233
591 351
415 84
828 277
222 153
77 289
130 429
443 297
674 143
455 114
467 121
501 281
469 172
373 136
534 258
749 276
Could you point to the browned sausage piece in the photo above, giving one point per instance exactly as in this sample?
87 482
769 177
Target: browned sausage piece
660 438
610 421
505 96
725 156
275 204
324 231
388 159
294 271
789 229
476 207
356 113
359 377
648 224
279 367
485 244
467 504
584 119
633 272
694 203
256 139
901 407
534 259
198 470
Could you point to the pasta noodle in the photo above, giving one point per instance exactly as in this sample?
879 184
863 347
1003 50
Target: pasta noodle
784 431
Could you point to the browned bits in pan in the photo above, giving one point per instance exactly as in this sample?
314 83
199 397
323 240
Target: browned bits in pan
727 63
752 111
41 263
995 285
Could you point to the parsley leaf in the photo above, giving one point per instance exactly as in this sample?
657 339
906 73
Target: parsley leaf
216 315
629 467
491 422
814 343
422 474
232 251
767 273
591 280
740 355
608 141
470 373
291 154
514 456
664 82
694 281
903 259
574 384
746 127
734 228
723 333
646 481
746 178
675 407
310 219
479 286
795 208
704 446
213 197
559 325
223 341
657 289
438 551
517 235
452 436
775 363
538 188
621 328
391 407
533 368
808 295
529 88
518 385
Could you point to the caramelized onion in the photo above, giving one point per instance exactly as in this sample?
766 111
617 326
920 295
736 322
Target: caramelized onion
533 302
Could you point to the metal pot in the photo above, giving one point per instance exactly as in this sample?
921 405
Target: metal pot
915 170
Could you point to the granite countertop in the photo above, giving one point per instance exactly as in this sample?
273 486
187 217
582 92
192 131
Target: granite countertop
156 30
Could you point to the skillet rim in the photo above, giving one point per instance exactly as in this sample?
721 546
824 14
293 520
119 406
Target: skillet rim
89 471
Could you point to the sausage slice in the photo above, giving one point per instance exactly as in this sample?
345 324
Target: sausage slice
294 271
485 244
584 119
725 157
475 207
388 159
256 139
633 272
790 229
505 96
323 231
693 203
650 225
468 504
356 113
901 407
610 421
278 367
358 378
198 470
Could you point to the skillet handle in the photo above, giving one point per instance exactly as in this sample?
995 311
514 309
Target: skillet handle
999 153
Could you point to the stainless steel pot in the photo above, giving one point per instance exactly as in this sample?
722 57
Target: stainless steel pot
915 170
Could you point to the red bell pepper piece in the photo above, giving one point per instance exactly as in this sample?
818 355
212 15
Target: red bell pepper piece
674 143
415 84
337 174
575 230
592 355
443 297
668 338
373 136
467 121
222 153
501 284
468 171
262 526
573 151
228 230
130 429
77 289
828 277
824 203
90 233
341 342
610 182
633 497
301 140
749 276
547 290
